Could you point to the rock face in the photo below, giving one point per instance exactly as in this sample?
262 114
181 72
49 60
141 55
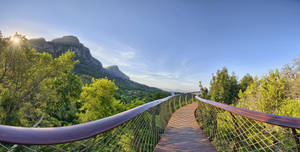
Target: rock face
59 46
67 40
114 70
88 64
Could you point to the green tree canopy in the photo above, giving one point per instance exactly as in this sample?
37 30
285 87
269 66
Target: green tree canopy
270 94
98 100
224 87
26 78
68 89
245 82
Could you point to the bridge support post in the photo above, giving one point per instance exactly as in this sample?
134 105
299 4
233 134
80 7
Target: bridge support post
174 101
186 101
170 106
192 98
180 104
164 114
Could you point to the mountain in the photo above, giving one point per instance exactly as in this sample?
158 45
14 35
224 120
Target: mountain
114 70
88 64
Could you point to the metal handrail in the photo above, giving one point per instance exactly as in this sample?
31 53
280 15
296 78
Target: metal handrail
58 135
290 122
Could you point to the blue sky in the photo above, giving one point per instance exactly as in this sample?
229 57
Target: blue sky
170 44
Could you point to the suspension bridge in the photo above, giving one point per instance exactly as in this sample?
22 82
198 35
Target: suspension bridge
181 122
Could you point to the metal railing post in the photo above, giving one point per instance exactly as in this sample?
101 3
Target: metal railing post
174 101
186 101
180 104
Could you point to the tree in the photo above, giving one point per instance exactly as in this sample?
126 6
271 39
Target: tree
273 92
233 88
223 87
98 100
248 99
245 82
203 91
68 89
267 94
295 83
25 80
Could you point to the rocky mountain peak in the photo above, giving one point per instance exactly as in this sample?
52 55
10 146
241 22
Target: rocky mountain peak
61 45
67 40
114 69
37 41
88 65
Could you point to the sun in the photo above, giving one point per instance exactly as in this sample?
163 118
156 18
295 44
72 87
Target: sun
15 39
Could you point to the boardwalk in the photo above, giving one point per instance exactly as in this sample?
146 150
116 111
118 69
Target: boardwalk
183 133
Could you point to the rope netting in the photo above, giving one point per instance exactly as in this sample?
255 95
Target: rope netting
228 131
141 133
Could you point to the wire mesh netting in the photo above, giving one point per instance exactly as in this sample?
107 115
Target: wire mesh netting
228 131
141 133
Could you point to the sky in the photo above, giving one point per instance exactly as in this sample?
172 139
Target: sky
169 44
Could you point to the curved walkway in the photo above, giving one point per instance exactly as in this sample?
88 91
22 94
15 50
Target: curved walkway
183 133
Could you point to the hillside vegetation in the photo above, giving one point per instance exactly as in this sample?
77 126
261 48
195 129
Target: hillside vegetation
40 86
88 67
277 92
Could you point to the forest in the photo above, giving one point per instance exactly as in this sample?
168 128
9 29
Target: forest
277 92
39 90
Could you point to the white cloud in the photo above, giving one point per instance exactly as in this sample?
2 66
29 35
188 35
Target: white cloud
121 55
128 54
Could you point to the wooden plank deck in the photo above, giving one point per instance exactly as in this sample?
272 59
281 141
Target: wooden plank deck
183 133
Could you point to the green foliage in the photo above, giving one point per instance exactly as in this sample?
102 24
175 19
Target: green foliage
203 91
271 94
290 108
86 79
98 100
24 79
249 95
245 82
35 85
294 84
68 89
276 93
126 96
223 87
134 104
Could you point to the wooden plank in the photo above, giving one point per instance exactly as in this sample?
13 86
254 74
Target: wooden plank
183 133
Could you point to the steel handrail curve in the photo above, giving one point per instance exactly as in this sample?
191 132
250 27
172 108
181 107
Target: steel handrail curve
58 135
290 122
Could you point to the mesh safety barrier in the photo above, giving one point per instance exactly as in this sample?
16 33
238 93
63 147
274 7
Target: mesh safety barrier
141 132
235 129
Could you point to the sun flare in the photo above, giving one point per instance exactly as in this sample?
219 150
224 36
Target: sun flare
15 40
